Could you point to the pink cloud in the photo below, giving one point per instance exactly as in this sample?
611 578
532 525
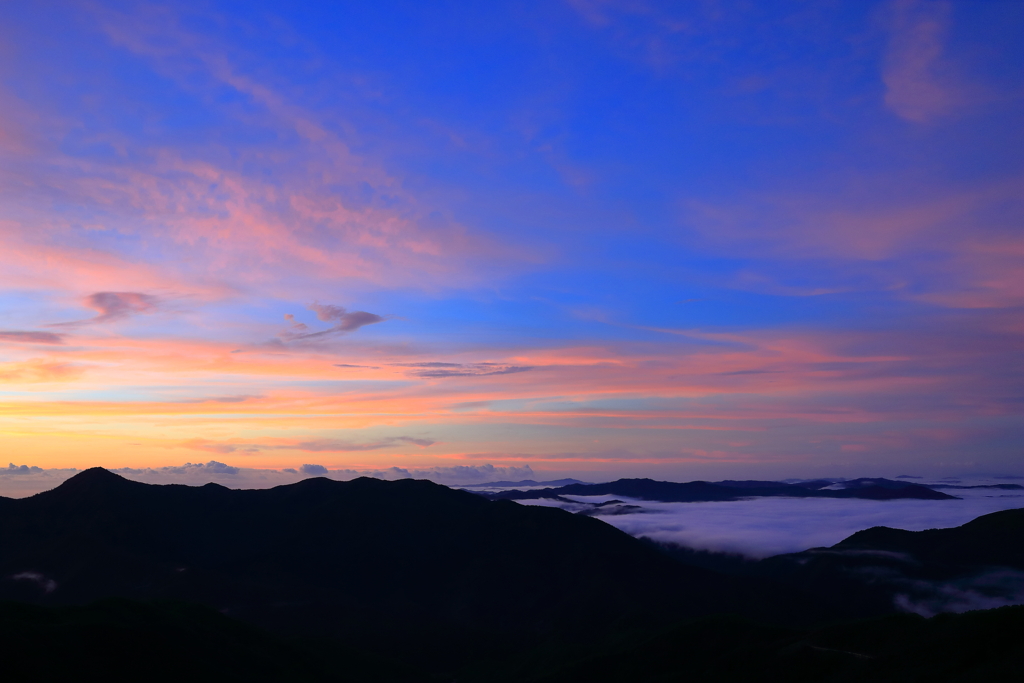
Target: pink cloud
114 306
322 445
917 80
31 337
930 241
39 370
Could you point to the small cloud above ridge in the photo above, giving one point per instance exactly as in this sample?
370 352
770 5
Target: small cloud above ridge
13 470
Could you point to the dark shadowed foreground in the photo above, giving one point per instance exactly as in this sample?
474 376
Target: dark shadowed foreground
976 646
122 640
409 580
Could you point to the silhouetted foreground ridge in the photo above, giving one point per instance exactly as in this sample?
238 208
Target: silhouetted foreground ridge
439 570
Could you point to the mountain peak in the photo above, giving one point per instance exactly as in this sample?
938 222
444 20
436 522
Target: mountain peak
97 472
94 475
94 480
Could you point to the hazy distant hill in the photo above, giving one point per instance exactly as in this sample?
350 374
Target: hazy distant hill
995 539
977 565
700 491
524 482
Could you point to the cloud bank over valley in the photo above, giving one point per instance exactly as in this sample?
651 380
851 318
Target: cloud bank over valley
761 527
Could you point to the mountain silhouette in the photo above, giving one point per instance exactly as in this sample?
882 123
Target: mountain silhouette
413 562
995 539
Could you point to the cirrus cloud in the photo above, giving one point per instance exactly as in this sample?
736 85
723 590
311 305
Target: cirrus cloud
344 322
436 370
311 445
31 337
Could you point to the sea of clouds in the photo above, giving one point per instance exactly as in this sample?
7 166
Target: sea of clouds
755 527
761 527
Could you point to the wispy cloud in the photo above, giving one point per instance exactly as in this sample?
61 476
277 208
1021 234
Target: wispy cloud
436 369
339 445
114 306
311 445
240 398
39 370
343 319
31 337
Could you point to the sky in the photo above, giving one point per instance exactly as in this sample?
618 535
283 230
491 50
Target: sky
589 238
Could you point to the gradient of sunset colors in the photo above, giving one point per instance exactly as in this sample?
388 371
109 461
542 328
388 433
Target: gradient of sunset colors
598 238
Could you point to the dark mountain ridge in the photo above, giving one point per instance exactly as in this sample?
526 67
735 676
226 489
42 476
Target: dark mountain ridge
704 491
524 482
992 540
408 561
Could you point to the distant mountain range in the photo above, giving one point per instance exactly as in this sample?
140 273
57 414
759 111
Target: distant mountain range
370 580
702 491
524 482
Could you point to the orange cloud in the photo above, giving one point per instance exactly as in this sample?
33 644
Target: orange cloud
38 371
